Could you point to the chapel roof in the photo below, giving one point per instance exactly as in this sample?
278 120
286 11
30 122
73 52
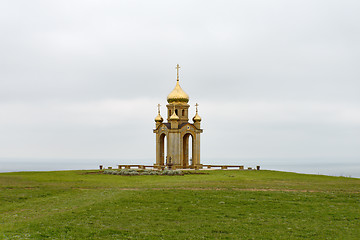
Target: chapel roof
178 95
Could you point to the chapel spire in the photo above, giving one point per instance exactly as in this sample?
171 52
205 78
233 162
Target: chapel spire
178 95
158 118
197 118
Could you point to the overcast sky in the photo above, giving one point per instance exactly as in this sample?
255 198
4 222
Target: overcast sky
273 79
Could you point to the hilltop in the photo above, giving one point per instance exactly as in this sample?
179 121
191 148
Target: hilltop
217 204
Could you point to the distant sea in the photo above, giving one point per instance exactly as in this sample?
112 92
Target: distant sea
331 167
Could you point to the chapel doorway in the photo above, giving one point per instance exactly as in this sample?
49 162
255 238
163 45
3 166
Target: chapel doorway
187 151
163 149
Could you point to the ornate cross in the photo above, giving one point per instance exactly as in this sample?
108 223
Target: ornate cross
159 108
196 105
177 72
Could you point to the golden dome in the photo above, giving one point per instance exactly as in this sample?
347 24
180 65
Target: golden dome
159 118
174 116
178 95
197 118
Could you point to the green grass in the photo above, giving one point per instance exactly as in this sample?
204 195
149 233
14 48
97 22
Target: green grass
217 205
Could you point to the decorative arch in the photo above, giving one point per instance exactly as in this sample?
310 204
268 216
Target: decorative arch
187 128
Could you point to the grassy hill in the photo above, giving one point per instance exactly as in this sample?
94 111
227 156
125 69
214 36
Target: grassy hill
215 205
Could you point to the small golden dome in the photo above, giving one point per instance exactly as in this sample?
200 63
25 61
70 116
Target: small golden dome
197 118
178 95
159 118
174 116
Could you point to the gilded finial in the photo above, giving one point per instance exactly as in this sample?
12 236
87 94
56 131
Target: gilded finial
174 116
197 118
177 72
158 118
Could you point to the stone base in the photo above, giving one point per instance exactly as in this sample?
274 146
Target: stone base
174 167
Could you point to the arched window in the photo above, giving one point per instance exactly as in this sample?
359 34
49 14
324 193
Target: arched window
176 112
169 112
183 112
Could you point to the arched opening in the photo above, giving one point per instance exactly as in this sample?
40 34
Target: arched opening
176 112
169 113
163 149
187 152
183 112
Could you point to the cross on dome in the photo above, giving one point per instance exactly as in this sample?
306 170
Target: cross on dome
196 118
177 72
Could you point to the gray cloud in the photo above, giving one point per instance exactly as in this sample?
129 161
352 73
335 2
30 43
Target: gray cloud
274 78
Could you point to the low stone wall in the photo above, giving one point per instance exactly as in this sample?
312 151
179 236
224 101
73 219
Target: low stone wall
173 167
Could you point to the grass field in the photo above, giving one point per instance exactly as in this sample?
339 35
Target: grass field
216 205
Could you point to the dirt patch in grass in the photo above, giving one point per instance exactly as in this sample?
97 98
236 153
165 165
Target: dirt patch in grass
273 190
234 189
196 173
87 173
210 189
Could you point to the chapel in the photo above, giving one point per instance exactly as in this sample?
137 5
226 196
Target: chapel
178 140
